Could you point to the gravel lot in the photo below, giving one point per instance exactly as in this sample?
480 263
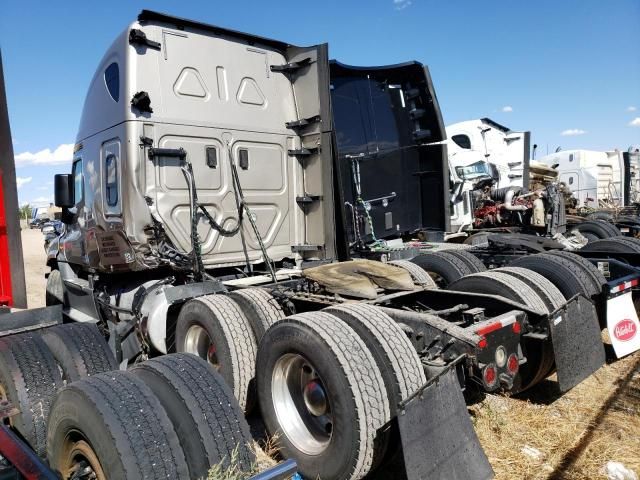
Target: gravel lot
34 267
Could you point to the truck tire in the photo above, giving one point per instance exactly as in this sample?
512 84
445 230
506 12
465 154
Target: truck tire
259 307
627 220
214 328
502 284
447 268
568 276
395 356
614 245
80 350
54 291
552 297
316 377
597 229
473 262
613 229
29 378
115 424
539 354
419 276
206 416
596 275
606 216
480 239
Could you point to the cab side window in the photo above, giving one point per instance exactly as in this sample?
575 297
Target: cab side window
111 180
463 141
78 181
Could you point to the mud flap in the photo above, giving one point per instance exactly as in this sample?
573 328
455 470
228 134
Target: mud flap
577 342
438 439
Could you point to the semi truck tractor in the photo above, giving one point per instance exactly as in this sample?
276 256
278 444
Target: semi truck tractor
224 216
595 187
200 274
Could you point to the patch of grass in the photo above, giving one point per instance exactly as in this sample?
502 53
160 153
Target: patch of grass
265 452
577 433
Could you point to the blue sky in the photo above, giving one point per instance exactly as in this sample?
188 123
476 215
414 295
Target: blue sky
549 66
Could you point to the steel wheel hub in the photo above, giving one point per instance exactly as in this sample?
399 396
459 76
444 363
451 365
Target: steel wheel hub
198 342
302 404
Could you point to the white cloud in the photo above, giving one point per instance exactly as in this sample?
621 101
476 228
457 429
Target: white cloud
20 181
62 154
41 200
572 132
631 108
635 122
507 109
401 4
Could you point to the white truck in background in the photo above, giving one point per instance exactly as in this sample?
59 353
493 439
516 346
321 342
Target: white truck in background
491 142
602 186
494 184
598 179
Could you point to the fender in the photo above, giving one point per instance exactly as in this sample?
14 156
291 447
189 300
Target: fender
157 301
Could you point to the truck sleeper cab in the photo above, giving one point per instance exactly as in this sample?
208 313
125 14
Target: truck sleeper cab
204 205
209 172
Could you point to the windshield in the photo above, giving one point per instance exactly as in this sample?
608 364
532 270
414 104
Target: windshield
474 171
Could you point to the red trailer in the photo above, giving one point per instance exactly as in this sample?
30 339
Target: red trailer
12 283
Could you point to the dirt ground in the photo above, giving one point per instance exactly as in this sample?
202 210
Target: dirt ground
34 267
542 435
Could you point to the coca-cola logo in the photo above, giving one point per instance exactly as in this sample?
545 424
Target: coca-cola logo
624 330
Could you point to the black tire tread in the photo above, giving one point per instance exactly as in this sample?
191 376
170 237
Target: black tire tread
596 275
240 339
449 267
419 275
364 377
520 291
473 262
395 356
80 349
259 307
218 422
598 228
614 245
136 421
54 290
543 287
31 378
569 277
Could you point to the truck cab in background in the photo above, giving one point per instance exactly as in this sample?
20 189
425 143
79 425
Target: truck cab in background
599 179
495 185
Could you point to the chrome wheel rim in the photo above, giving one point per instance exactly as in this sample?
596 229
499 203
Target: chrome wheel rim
301 404
198 342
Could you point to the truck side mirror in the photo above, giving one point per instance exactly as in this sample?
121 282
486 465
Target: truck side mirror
63 190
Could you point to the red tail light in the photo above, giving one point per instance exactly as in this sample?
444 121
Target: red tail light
513 364
490 375
516 327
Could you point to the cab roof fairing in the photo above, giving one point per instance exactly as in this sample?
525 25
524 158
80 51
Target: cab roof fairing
394 73
113 113
98 99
